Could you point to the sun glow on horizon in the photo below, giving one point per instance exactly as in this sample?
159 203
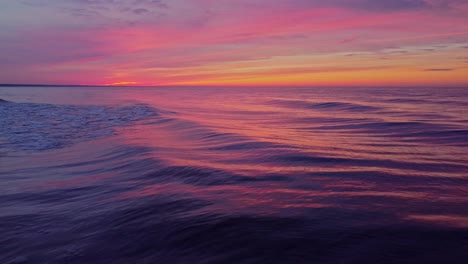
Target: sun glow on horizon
125 83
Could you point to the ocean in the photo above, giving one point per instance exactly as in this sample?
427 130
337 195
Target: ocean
233 175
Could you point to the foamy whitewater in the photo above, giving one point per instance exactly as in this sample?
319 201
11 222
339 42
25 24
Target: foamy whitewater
233 175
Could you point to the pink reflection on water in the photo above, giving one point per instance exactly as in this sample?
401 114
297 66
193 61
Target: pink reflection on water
460 221
335 157
206 126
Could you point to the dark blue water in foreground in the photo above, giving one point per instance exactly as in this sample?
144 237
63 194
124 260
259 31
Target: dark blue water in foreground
224 175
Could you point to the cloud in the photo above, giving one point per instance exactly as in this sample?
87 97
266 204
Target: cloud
463 59
140 11
120 3
349 39
392 5
165 39
368 5
386 5
439 70
106 10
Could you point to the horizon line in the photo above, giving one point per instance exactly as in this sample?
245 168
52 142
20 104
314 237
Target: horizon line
237 86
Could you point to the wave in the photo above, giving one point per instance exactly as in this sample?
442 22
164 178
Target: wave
29 126
307 160
406 100
457 137
163 231
414 131
325 106
384 127
312 177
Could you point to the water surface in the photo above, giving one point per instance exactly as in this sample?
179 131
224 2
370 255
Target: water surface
233 175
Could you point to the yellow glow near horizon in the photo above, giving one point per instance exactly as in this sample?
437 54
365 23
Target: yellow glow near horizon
122 83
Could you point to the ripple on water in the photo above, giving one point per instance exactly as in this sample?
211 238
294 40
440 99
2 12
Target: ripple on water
29 126
373 176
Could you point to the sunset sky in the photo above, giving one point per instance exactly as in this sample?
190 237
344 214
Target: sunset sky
234 42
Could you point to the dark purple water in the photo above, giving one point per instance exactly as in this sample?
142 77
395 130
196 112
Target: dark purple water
233 175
